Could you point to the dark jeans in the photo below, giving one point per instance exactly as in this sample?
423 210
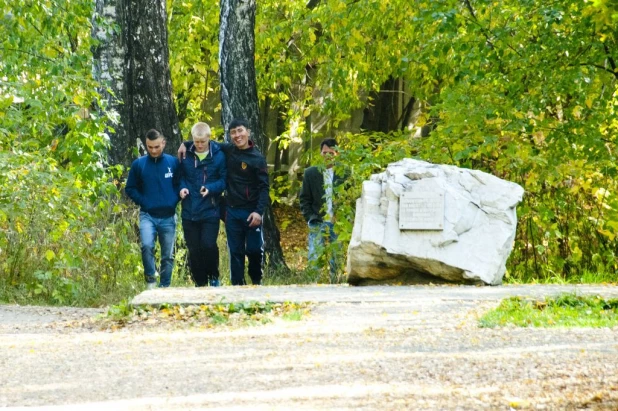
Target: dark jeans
244 240
201 239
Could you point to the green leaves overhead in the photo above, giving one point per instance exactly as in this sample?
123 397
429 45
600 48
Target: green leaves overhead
194 47
46 87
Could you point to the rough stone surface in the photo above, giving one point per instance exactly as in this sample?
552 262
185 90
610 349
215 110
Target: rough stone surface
472 247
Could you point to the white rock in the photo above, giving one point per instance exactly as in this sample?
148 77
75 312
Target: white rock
472 246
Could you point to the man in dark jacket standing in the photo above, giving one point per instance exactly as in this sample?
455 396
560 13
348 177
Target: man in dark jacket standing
153 185
203 175
247 195
316 204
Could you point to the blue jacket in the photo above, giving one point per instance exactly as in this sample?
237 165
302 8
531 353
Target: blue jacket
153 184
211 173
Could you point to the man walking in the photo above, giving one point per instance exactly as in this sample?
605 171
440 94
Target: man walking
247 195
153 185
203 175
316 204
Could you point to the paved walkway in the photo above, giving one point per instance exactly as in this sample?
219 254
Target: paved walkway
370 294
360 348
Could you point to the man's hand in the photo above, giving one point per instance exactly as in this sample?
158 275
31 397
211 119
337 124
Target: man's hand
184 192
182 152
254 219
204 191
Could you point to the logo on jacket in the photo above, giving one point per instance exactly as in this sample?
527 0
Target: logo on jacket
169 173
243 165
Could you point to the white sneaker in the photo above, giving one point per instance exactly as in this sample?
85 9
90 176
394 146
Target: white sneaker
151 286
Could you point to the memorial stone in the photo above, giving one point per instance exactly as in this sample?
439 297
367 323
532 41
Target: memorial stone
419 222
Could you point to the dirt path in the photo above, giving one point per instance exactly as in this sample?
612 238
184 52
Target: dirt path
371 348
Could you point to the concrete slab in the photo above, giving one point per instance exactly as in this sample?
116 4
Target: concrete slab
348 294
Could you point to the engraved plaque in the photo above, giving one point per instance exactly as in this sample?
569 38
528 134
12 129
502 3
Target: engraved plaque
421 211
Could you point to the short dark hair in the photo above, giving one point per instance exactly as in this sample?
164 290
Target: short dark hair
329 142
238 122
153 134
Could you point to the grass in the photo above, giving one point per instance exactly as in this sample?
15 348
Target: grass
584 277
565 310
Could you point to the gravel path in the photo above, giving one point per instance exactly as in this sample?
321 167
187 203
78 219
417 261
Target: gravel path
367 348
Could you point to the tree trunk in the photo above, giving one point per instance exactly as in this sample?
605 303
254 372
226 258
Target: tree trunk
133 64
239 94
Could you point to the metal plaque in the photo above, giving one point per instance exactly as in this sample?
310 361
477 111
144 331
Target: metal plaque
421 211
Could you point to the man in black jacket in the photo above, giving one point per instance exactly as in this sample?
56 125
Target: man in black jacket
247 195
316 204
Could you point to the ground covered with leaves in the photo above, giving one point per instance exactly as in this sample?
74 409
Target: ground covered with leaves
361 348
294 231
203 316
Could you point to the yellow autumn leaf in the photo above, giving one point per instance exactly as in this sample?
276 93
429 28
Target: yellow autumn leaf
607 234
50 255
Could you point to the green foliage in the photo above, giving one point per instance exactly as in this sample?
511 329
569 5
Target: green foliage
63 240
565 310
66 236
46 88
193 42
525 90
319 60
120 311
532 102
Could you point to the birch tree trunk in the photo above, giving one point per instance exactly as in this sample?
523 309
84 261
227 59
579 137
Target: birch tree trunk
132 64
239 93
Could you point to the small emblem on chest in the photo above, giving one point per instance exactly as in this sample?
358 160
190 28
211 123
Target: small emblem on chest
243 165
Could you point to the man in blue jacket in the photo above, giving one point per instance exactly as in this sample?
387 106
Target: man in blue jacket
153 185
203 174
247 195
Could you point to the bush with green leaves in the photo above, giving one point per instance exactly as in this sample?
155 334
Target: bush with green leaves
63 239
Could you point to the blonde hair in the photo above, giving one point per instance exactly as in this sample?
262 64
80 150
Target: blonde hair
200 130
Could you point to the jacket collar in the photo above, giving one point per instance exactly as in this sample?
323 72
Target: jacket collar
251 146
213 148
